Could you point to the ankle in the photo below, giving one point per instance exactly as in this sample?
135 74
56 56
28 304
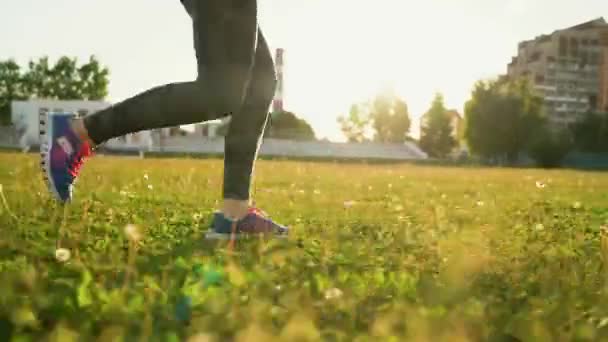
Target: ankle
81 131
235 209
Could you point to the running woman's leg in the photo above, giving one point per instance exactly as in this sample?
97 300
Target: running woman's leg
225 33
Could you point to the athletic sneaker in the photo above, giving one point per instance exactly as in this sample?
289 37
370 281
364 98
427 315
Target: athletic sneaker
62 152
255 223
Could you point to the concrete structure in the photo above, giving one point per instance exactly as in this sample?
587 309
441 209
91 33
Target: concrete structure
25 119
277 103
565 68
603 99
289 148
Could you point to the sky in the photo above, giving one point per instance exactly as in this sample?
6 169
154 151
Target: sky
337 52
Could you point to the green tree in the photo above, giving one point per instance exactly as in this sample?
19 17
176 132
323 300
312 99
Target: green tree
436 136
11 88
65 80
591 133
390 117
386 115
354 126
548 148
286 125
501 117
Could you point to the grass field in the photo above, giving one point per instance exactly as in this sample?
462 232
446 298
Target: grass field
394 252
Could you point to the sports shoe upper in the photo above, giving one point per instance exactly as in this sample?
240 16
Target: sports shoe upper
255 222
63 154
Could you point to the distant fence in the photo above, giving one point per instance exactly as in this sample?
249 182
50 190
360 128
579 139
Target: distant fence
591 161
281 148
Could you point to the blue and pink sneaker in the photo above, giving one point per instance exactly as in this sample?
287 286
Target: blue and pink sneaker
254 224
62 152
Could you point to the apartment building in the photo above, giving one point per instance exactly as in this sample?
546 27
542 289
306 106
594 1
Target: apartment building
568 69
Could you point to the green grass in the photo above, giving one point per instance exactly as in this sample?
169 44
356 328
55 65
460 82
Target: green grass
378 252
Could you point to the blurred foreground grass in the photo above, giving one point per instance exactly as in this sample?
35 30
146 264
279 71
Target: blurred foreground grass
395 252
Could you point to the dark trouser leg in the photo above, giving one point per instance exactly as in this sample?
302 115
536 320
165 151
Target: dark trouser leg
224 38
247 126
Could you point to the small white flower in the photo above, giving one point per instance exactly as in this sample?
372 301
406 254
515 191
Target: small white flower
333 293
123 193
278 288
539 227
348 204
540 185
150 187
197 216
62 254
577 205
146 176
480 203
132 232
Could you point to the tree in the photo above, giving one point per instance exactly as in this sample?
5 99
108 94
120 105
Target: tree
391 120
286 125
591 133
501 117
549 148
65 80
11 88
386 115
436 137
355 125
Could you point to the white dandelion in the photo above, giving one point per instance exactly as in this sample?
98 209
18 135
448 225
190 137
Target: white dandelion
132 232
333 293
349 204
62 254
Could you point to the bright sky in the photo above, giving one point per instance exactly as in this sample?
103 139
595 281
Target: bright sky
337 51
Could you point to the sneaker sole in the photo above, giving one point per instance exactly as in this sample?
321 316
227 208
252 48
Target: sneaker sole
46 141
211 235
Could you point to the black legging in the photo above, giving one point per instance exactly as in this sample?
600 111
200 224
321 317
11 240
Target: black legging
236 77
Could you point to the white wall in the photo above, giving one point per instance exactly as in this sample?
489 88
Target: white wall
25 118
25 114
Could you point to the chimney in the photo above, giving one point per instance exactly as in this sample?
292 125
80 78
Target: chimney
277 103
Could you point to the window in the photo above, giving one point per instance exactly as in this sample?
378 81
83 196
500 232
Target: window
539 79
82 113
563 46
41 112
594 58
573 47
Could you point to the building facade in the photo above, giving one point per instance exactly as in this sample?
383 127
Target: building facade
25 119
603 99
567 68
